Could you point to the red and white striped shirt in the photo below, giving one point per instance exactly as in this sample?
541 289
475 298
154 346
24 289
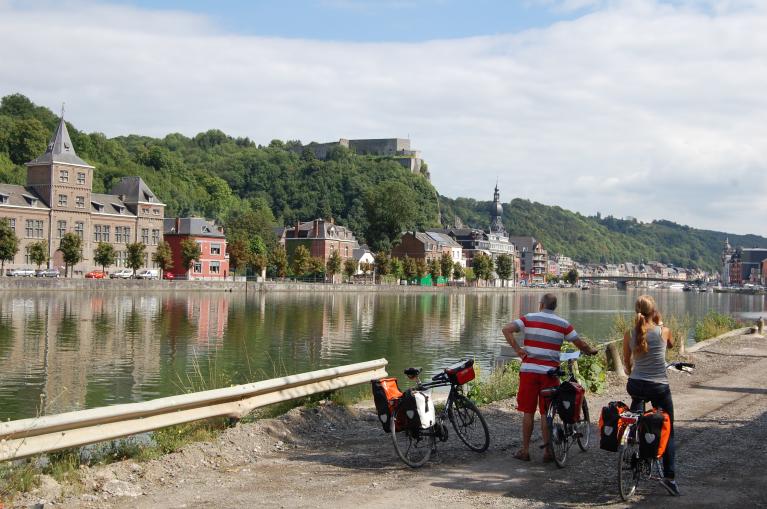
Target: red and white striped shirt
544 333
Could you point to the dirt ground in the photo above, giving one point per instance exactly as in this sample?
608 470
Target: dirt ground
339 457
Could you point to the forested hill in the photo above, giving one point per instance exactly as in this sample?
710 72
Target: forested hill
219 177
606 240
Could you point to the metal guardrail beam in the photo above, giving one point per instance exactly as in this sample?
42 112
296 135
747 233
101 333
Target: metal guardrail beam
27 437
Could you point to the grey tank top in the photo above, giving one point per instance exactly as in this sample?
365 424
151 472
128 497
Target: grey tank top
650 366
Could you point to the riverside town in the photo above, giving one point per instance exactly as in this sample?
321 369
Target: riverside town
355 254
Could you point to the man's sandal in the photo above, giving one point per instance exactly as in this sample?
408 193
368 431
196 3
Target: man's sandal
522 456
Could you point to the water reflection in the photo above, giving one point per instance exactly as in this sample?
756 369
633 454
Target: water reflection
65 351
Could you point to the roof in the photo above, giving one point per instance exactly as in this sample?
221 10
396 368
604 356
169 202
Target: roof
134 190
195 226
20 196
110 204
60 149
324 230
443 239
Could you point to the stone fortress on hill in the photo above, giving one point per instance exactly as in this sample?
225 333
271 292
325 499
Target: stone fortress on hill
396 148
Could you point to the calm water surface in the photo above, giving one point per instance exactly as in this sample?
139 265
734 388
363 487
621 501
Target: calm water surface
65 351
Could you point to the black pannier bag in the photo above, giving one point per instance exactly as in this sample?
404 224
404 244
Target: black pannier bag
570 399
407 412
654 432
610 425
386 394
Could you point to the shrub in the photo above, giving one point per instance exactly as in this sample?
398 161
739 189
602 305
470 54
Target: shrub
714 324
501 383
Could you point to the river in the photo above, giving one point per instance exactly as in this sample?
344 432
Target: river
62 351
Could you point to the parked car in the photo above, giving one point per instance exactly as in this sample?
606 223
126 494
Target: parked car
54 272
148 274
121 274
169 276
20 272
96 274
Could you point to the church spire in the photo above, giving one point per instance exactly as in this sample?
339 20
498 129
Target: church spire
60 148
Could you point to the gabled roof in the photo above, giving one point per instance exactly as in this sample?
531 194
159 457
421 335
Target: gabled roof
19 196
110 204
60 149
134 190
194 226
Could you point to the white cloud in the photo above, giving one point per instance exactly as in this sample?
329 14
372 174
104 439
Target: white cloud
638 108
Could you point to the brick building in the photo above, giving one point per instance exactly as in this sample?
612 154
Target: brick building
213 262
428 246
320 237
59 199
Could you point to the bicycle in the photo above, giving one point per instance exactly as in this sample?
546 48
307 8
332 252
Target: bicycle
562 434
415 445
631 466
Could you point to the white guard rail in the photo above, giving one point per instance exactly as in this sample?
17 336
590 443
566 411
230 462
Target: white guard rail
27 437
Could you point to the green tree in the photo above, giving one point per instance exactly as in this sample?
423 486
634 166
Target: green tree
27 140
9 244
190 253
278 260
483 266
420 269
317 267
240 254
391 209
333 266
572 276
446 265
397 268
458 271
38 253
136 255
104 255
434 270
551 277
300 262
409 268
71 247
350 267
382 263
504 267
469 275
163 257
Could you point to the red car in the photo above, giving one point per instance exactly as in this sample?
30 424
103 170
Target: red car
169 276
96 274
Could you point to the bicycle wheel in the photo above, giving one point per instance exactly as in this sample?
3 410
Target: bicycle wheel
558 439
583 427
628 469
469 424
413 446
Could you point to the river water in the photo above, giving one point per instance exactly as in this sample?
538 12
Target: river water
62 351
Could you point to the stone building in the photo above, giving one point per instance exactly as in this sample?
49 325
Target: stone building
398 148
533 258
59 199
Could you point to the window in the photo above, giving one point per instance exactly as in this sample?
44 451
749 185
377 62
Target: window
145 210
215 267
81 178
105 233
215 249
63 176
145 236
156 212
3 198
155 237
97 233
12 224
62 228
197 267
80 202
118 234
27 258
62 200
34 229
126 234
80 229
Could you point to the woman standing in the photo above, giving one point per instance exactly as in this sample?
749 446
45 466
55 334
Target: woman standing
644 357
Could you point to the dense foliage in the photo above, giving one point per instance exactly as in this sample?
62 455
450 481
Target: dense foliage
602 239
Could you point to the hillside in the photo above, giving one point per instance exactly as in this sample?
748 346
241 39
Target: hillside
606 240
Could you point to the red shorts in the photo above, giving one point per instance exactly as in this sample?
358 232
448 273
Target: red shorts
530 386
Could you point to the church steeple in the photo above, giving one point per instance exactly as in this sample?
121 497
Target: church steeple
60 148
496 213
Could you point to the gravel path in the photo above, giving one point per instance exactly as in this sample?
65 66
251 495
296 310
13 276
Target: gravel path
339 457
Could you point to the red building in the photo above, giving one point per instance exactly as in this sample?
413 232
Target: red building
320 238
213 262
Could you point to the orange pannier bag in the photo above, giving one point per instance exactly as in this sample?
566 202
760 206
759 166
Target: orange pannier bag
386 393
654 432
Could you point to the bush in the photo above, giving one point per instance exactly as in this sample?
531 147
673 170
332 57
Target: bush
501 383
592 370
714 324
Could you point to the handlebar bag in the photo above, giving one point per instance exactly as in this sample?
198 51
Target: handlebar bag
610 425
654 431
570 401
386 393
461 373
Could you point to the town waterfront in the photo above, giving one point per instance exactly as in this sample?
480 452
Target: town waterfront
63 351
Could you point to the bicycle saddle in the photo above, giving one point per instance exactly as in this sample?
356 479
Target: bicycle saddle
412 372
555 372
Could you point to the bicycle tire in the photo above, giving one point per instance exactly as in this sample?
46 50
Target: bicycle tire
558 439
584 427
464 416
628 470
413 447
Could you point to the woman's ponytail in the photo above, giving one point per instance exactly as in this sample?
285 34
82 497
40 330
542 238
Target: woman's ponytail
640 333
646 315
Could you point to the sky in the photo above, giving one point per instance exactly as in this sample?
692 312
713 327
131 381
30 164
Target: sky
645 108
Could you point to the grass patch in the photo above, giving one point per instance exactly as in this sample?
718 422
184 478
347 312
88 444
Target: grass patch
714 324
64 466
173 438
18 478
501 383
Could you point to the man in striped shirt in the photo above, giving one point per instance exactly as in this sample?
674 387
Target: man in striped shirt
543 332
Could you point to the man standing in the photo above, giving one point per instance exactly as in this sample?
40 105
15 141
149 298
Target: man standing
543 333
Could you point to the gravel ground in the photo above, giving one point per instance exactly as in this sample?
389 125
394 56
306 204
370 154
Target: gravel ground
340 457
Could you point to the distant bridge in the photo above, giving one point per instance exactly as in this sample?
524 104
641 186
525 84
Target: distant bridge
622 280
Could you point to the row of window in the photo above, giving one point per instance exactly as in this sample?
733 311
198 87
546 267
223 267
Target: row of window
64 177
214 267
147 211
79 201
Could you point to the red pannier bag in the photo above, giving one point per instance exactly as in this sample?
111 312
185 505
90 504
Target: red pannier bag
654 431
461 373
570 401
386 394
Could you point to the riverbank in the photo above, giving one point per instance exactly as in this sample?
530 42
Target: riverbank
141 285
338 456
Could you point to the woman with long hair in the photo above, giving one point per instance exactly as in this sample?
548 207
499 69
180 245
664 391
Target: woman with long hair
644 357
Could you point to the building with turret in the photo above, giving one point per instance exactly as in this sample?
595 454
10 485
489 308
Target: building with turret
58 199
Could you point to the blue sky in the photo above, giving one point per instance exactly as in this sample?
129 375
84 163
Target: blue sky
370 20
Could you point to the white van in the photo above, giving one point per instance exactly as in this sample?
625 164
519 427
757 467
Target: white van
148 274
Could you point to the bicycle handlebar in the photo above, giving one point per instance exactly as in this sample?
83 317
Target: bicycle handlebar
681 366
